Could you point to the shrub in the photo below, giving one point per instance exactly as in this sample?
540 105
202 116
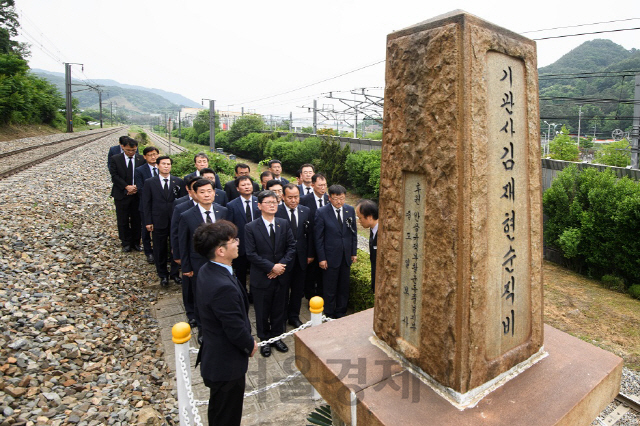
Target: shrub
245 125
183 164
615 154
594 218
332 160
634 291
360 295
363 169
612 282
203 138
563 148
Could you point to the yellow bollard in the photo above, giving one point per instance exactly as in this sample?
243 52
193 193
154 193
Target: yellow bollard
181 333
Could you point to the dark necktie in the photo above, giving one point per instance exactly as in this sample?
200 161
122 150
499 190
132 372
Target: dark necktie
272 235
248 211
155 172
208 213
130 171
294 223
339 218
320 202
371 236
166 187
308 191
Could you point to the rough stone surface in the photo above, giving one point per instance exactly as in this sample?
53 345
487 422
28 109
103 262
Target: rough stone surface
436 126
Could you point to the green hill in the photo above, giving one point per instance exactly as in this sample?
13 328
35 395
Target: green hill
598 76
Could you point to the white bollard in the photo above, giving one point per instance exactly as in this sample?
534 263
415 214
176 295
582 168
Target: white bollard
181 333
316 307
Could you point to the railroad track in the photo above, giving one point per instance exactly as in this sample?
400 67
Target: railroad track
163 144
20 159
627 403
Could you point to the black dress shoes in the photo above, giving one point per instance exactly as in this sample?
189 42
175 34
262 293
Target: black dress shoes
126 249
150 259
176 279
164 282
295 322
265 351
137 248
280 346
193 324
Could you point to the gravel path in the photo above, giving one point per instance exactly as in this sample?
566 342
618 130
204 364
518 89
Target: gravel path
78 344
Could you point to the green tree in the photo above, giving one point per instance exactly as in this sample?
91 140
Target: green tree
307 130
615 154
563 148
245 125
201 122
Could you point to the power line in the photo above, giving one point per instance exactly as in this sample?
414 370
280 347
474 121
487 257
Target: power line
579 25
594 32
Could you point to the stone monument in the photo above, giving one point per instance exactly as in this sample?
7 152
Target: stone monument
458 317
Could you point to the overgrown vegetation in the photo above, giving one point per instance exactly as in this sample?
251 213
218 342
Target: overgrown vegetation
183 164
360 295
616 154
593 218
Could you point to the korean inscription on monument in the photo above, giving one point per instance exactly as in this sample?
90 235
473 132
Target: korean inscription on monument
508 287
412 258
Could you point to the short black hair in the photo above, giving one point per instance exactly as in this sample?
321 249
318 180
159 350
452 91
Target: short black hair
164 157
190 180
274 161
337 190
291 186
241 178
266 194
149 149
265 173
318 176
200 183
298 173
121 139
127 141
200 155
206 170
273 182
209 236
307 165
368 208
242 166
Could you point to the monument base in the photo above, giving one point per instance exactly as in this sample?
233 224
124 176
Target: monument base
571 386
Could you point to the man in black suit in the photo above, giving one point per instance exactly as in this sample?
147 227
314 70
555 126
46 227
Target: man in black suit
315 200
221 196
265 177
201 161
306 184
206 211
143 173
125 194
367 212
336 246
299 218
275 167
224 310
158 199
116 149
277 187
270 248
243 210
230 189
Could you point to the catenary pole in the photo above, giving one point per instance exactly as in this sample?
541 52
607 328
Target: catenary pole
635 132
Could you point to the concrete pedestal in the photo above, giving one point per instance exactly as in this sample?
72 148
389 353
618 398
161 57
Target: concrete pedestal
571 386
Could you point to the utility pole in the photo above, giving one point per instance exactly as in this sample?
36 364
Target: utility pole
290 121
635 130
68 103
212 123
355 124
100 103
315 117
111 106
242 113
579 121
169 131
179 128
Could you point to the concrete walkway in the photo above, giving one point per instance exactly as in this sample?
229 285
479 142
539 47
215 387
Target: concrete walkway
287 404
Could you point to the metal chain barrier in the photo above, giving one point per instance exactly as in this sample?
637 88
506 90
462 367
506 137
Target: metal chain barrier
273 339
327 319
194 410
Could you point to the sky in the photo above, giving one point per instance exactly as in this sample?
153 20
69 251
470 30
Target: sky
256 54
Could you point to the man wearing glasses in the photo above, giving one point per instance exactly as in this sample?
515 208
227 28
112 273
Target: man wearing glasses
270 247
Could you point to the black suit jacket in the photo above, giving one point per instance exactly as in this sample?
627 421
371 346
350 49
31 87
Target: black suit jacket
218 184
178 209
114 150
305 247
157 207
283 181
310 201
118 170
303 190
373 255
238 216
142 173
334 241
232 192
187 225
263 255
223 308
